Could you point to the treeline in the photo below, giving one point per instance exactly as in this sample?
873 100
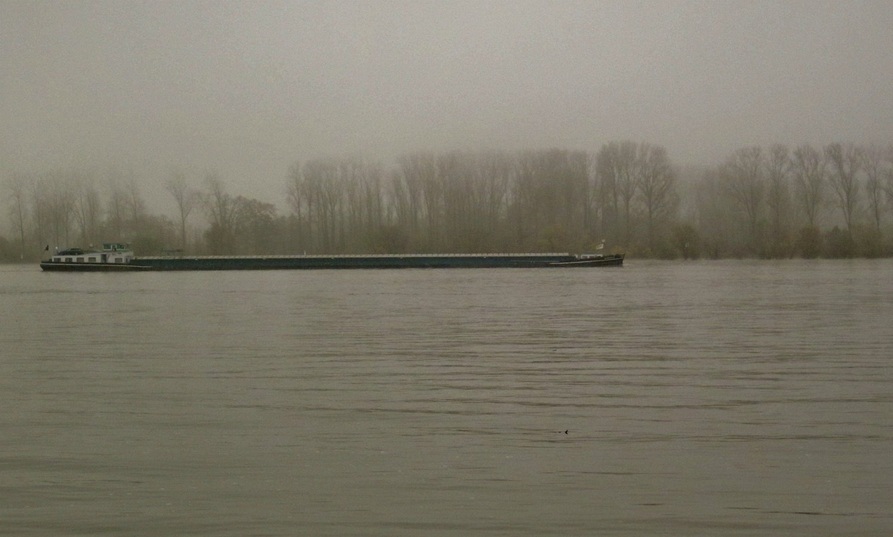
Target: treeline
775 202
834 201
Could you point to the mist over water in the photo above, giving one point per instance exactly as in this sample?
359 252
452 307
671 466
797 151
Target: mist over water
147 90
708 398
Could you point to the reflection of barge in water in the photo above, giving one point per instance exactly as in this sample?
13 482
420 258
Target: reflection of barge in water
117 257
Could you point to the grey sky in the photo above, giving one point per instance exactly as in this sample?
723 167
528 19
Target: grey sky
247 88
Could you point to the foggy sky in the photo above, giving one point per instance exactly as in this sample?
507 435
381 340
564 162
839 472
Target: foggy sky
247 88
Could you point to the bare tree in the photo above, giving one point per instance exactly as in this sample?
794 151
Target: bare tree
713 206
888 186
575 193
404 209
615 170
656 181
136 206
743 175
300 203
40 212
778 197
876 168
455 177
423 197
494 173
409 191
810 175
255 226
222 210
322 194
363 202
548 201
186 199
57 205
370 176
525 199
116 207
87 209
845 163
17 187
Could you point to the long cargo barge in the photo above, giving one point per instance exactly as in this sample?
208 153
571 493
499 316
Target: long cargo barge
118 257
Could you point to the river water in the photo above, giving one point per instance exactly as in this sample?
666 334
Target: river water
660 398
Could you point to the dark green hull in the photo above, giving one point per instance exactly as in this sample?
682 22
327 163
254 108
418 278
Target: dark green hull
55 266
374 262
309 262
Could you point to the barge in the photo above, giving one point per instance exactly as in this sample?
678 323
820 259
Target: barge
119 257
114 257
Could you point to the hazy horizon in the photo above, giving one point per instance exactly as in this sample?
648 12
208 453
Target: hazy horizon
247 89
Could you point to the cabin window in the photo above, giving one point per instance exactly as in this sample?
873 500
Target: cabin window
92 259
68 260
